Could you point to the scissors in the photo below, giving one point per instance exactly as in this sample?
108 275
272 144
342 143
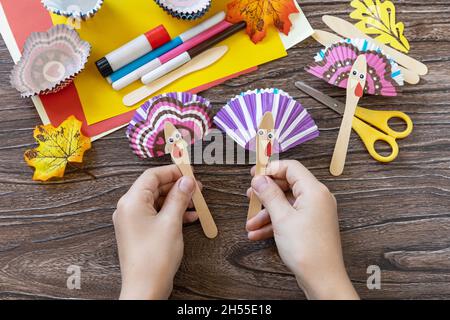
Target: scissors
366 122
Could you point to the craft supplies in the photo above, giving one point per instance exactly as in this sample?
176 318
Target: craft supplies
168 124
337 60
204 36
201 61
77 9
242 116
188 55
348 30
355 91
133 50
170 58
94 107
50 61
136 69
327 39
185 9
370 125
97 104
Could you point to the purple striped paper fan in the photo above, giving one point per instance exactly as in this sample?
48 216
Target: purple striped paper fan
189 113
242 115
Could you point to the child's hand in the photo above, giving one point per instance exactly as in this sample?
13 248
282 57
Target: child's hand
301 214
150 243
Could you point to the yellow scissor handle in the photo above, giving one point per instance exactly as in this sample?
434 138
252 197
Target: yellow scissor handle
380 120
370 136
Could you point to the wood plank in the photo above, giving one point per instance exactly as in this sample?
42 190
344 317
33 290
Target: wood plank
396 216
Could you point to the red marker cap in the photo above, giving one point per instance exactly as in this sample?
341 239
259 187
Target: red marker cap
157 37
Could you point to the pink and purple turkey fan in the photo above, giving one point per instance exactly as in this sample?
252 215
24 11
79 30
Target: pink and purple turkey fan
189 113
335 62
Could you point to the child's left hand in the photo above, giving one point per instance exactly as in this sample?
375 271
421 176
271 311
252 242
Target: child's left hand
148 224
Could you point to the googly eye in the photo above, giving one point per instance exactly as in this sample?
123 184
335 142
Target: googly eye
355 73
261 132
171 140
270 135
178 136
362 76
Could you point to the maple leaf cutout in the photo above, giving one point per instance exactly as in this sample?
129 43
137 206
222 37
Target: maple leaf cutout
58 147
260 14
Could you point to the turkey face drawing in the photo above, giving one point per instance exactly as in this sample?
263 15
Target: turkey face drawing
265 138
175 144
357 77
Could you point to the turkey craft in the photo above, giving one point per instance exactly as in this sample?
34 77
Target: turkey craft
168 124
356 82
266 121
333 64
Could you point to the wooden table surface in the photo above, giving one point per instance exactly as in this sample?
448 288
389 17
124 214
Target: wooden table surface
396 216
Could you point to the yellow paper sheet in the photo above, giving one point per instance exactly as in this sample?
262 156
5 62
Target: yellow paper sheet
120 21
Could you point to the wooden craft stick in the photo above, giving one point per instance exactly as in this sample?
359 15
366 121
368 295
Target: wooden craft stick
177 147
264 147
327 39
355 90
348 30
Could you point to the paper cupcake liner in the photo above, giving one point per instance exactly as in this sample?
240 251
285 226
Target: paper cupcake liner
365 46
185 9
50 61
189 113
78 9
241 116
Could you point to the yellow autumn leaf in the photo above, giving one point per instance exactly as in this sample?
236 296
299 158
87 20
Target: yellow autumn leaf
377 17
58 147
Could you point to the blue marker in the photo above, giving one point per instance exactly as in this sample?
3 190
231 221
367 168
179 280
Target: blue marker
145 64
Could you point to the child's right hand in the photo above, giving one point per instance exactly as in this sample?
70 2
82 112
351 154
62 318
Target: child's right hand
301 214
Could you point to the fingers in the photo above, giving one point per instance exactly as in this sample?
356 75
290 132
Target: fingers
299 178
264 233
271 196
190 217
164 190
146 189
289 196
259 221
153 178
177 200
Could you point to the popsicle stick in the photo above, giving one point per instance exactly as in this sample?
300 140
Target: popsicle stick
348 30
327 39
205 216
182 161
354 93
266 127
200 62
255 205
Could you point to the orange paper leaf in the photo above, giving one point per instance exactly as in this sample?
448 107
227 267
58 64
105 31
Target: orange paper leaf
57 148
260 14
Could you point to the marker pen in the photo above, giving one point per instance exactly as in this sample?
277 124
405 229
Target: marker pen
136 69
186 56
133 50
